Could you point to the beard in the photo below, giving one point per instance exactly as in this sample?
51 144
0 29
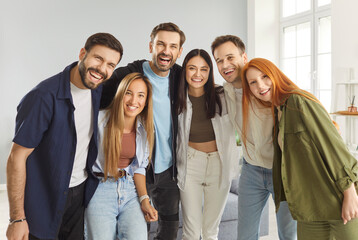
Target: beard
160 67
236 78
83 70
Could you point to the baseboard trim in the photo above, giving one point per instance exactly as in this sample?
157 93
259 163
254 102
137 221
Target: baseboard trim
3 187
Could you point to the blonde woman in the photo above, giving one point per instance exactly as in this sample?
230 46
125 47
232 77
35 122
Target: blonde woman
126 138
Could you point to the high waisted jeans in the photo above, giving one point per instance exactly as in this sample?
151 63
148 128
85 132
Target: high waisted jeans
255 186
202 200
114 212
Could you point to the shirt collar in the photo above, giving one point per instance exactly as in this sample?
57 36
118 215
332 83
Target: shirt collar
64 90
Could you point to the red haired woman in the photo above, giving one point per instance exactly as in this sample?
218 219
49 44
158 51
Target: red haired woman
313 170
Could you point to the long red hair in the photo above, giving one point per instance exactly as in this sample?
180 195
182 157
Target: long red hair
282 88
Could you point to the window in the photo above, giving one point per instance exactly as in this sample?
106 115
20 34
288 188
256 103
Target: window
306 46
291 7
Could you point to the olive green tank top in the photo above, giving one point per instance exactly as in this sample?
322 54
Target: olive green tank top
201 129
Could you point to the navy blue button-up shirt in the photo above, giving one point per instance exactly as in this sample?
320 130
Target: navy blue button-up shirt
45 122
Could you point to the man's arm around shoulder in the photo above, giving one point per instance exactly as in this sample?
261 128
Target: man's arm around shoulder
16 180
111 85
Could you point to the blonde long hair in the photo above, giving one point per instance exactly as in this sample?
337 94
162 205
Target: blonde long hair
112 139
282 88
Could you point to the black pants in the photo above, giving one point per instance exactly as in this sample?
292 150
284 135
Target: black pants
164 194
72 224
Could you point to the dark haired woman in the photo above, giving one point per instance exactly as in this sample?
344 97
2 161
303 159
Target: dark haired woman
207 155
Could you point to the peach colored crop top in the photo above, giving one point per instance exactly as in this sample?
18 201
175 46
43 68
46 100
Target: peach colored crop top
128 150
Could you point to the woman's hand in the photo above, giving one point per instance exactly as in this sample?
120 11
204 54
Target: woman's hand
150 213
350 204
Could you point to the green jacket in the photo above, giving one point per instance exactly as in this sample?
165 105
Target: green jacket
314 167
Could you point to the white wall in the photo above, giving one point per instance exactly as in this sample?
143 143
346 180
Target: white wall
40 37
263 29
344 38
345 53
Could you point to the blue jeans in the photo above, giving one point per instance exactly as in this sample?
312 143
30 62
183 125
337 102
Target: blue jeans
114 212
255 186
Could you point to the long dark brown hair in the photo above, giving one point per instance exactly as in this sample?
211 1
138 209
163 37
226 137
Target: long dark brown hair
211 91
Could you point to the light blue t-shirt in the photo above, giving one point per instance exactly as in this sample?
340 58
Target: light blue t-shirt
162 119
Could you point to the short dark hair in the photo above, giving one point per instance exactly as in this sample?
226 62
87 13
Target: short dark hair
212 92
228 38
170 27
104 39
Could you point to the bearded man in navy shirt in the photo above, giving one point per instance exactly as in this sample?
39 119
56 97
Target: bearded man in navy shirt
49 177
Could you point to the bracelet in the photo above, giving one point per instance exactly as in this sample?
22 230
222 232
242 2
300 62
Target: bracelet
16 220
143 197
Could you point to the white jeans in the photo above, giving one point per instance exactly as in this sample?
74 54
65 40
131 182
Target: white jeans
202 200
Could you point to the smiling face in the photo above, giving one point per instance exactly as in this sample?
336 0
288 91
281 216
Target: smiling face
97 65
230 60
197 74
165 49
260 84
134 99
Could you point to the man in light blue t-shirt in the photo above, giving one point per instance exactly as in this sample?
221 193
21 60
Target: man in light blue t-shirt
165 46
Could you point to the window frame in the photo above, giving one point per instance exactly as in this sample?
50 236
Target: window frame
312 16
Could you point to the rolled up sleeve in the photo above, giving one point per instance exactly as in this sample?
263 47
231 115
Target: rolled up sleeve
339 161
140 171
139 166
345 182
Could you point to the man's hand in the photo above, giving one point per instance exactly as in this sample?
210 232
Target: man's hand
16 180
18 231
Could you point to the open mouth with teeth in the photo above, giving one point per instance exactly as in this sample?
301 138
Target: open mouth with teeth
229 72
132 108
196 80
164 60
95 76
264 93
